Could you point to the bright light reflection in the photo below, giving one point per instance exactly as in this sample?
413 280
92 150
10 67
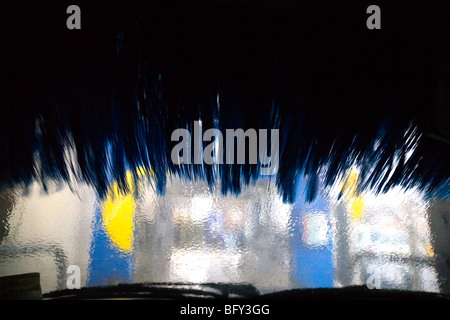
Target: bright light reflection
200 266
190 235
200 207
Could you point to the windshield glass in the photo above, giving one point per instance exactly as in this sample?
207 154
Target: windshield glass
256 147
196 235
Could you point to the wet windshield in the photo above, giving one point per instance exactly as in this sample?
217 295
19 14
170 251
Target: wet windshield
225 147
195 235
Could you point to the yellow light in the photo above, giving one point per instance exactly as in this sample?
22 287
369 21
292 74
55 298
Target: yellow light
350 183
356 201
118 215
357 205
430 250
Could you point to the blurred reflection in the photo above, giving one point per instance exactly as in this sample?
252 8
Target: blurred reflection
312 242
388 235
112 241
118 214
195 234
47 232
315 230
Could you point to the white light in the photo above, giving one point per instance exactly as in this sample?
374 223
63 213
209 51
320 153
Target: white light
200 208
200 266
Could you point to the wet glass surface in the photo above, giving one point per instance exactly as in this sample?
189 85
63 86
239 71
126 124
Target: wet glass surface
196 235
